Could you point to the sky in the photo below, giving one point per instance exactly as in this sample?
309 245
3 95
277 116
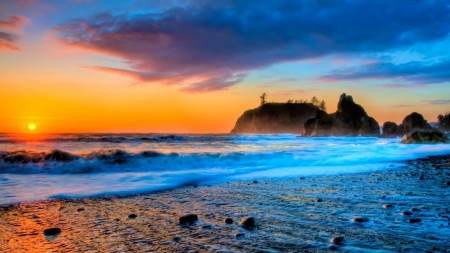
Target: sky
194 66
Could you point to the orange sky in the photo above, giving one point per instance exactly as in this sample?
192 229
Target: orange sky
46 82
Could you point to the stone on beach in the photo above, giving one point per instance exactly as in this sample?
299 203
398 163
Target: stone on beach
229 221
132 216
52 231
360 219
188 218
337 239
248 223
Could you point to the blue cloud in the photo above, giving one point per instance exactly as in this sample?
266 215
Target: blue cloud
210 45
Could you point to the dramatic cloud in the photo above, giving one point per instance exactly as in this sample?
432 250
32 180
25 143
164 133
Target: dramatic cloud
8 39
414 72
210 45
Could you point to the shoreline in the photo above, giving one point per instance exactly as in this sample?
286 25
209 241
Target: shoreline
292 215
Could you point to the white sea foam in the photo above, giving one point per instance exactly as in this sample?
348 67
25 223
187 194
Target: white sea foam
141 163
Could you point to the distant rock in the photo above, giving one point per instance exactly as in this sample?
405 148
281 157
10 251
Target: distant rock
275 118
350 119
390 130
413 122
188 218
425 136
444 122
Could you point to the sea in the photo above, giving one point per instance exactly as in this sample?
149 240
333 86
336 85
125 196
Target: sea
37 167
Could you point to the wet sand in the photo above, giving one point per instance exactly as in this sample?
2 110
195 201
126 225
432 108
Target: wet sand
292 215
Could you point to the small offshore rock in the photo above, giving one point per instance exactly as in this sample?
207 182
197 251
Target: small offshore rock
388 206
248 223
337 239
360 219
188 218
302 178
319 200
229 221
52 231
255 182
415 220
132 216
407 213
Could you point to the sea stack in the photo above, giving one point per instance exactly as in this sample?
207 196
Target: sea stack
350 119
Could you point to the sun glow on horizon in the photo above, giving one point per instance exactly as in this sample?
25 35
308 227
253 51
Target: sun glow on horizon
31 126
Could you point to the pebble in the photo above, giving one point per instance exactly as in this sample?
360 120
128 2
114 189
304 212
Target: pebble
337 239
132 216
80 209
240 234
188 218
407 213
248 223
229 221
52 231
360 219
415 220
387 206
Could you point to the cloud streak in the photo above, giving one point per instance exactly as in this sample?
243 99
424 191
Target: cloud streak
211 45
8 40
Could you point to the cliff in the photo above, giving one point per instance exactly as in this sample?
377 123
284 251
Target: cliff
275 118
349 120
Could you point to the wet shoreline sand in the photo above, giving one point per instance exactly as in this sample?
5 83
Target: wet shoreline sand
292 215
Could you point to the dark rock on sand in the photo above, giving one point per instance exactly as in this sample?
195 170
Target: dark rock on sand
349 120
132 216
360 219
80 209
275 118
390 130
240 234
415 220
425 136
337 239
229 221
52 231
248 223
188 218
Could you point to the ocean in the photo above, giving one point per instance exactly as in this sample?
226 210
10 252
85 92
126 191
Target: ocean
41 167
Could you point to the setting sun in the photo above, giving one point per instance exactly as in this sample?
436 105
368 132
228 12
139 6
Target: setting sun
31 127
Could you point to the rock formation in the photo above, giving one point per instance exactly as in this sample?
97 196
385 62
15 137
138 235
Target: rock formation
390 130
444 122
349 120
412 122
425 136
275 118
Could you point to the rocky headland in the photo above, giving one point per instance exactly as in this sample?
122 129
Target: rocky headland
275 118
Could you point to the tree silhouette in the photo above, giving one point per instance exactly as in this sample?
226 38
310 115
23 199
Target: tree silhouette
314 100
322 106
263 98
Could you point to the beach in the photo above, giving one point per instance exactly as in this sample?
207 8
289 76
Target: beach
407 208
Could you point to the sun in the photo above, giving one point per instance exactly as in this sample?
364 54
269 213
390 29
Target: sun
31 126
